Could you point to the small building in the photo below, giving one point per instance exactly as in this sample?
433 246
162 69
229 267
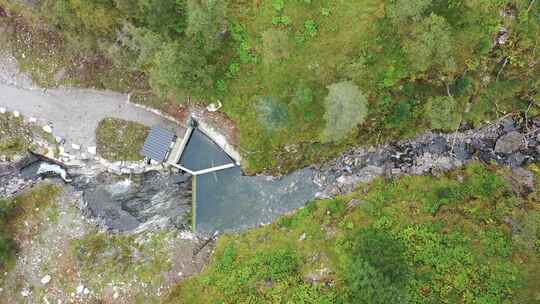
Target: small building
158 144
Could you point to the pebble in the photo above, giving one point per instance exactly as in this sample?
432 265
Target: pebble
3 110
16 114
75 147
47 129
80 289
32 120
25 292
92 150
45 280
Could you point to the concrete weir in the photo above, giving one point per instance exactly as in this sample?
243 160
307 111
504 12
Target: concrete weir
205 158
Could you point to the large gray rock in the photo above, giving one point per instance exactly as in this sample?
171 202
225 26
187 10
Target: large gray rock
522 180
509 143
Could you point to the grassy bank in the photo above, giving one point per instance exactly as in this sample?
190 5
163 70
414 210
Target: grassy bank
421 239
20 219
14 137
119 139
302 79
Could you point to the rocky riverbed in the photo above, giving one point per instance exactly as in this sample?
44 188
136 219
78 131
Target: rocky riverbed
512 141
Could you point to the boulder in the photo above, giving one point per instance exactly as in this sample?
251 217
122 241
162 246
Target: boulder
509 143
522 180
45 280
92 150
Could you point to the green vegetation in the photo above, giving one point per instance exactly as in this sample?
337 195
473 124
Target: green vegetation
403 56
120 140
419 239
20 217
14 137
345 109
122 258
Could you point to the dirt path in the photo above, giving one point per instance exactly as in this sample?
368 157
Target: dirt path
73 113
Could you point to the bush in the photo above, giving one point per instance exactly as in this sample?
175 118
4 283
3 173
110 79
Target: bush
179 71
402 10
7 249
207 23
346 107
272 113
443 113
431 45
378 270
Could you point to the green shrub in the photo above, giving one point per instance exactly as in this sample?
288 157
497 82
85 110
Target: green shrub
7 249
378 271
207 23
181 72
346 107
431 45
272 113
443 113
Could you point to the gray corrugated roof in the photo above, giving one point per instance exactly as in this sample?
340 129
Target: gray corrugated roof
157 144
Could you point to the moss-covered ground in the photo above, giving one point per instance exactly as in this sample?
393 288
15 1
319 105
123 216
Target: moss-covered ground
119 139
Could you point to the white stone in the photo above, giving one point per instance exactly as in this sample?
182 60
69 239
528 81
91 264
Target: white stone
3 110
75 147
47 129
16 113
25 292
32 119
80 289
86 291
213 107
92 150
45 280
125 171
58 139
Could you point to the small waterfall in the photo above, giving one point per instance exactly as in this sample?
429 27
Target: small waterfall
46 168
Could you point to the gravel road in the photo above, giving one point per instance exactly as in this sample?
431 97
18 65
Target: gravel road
73 113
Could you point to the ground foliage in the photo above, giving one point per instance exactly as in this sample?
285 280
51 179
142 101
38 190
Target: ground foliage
451 239
402 55
19 216
119 139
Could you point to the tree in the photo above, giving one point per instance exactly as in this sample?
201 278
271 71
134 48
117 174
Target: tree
378 271
443 113
346 107
181 71
165 17
207 23
431 45
402 10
